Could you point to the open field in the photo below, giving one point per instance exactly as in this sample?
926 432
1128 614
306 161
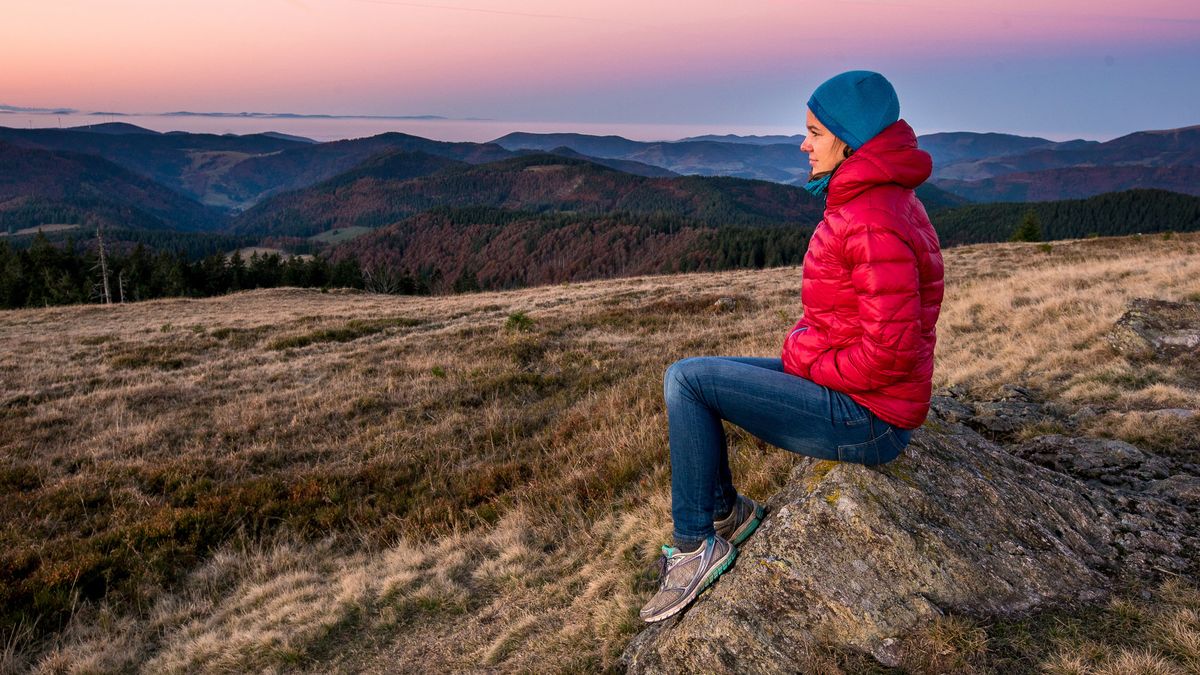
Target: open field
51 227
342 234
290 479
248 251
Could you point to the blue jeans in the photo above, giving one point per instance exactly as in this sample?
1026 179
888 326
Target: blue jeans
784 410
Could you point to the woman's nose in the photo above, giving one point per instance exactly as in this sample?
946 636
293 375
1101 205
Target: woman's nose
804 146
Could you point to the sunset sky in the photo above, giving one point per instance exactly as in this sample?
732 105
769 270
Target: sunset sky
1058 68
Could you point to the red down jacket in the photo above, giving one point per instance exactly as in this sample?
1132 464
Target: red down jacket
872 283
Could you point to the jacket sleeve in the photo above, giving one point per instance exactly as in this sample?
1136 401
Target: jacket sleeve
886 281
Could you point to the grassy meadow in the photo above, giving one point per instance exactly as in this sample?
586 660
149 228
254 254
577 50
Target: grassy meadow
295 480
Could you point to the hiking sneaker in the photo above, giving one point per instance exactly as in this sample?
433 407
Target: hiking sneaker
742 521
682 576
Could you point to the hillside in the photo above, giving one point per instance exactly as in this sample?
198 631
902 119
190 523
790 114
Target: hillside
1110 214
115 128
779 162
41 186
1076 182
1169 147
948 148
231 171
297 480
184 162
628 166
489 248
538 182
252 180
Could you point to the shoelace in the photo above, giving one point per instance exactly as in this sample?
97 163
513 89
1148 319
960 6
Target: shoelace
666 561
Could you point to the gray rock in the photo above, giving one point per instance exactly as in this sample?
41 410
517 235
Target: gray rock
1157 329
1181 489
725 304
1111 462
1016 409
951 409
856 557
1181 413
1085 413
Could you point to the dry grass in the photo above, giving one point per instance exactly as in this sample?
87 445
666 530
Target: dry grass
293 479
1042 320
1131 635
1135 633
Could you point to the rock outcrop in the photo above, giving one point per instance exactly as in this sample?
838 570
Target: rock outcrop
1096 460
856 556
1015 409
1157 329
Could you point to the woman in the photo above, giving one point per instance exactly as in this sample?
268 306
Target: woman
855 375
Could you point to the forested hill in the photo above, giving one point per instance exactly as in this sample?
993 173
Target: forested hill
1076 182
537 182
231 171
40 187
184 162
255 178
462 249
1111 214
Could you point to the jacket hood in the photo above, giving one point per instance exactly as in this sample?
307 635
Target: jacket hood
891 156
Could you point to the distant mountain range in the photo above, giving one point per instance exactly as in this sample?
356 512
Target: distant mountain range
777 162
700 203
752 140
189 113
976 166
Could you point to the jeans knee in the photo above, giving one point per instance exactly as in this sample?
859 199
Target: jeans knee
677 375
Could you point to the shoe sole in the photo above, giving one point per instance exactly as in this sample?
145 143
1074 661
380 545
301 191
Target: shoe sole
715 572
759 512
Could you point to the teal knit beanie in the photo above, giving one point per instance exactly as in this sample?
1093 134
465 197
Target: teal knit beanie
855 105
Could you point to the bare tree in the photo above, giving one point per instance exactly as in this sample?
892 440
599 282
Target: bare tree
103 266
379 278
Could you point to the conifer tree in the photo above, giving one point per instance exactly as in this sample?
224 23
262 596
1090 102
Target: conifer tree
1030 228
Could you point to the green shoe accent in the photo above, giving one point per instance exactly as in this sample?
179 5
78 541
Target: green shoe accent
759 512
719 570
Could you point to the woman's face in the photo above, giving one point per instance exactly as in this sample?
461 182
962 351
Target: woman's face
823 148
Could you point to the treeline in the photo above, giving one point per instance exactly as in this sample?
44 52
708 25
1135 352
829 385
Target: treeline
90 209
490 248
44 274
1106 215
756 248
124 239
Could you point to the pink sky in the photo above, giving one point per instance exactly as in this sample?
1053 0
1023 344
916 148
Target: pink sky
649 61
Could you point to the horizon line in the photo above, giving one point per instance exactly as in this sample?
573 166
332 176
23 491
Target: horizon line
251 115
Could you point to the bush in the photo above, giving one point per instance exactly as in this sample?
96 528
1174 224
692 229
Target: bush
519 321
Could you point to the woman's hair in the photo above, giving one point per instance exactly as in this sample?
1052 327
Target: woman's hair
846 150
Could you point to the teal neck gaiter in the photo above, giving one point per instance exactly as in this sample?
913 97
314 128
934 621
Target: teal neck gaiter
818 186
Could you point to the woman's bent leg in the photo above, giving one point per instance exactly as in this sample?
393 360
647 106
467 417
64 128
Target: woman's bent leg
782 409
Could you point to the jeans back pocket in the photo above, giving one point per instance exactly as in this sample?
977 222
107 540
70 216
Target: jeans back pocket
879 450
847 411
